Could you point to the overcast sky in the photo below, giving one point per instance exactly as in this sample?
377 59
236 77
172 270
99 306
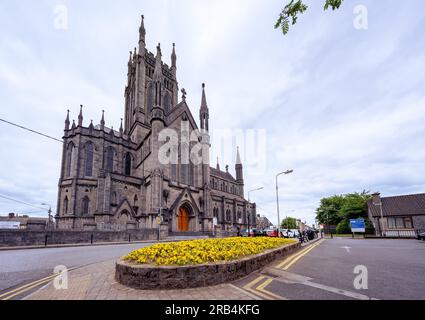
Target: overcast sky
343 107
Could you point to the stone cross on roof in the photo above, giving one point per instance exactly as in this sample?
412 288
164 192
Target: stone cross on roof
184 93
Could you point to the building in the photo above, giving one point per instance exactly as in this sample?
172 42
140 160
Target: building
119 180
399 216
23 222
263 222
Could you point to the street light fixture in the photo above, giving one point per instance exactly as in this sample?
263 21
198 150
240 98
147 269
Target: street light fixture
277 198
249 201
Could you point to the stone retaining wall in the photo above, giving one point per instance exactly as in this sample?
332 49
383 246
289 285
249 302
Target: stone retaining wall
147 277
14 238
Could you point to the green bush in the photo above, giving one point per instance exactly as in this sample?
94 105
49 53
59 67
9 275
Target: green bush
343 227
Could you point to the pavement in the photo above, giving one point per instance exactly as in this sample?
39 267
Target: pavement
323 270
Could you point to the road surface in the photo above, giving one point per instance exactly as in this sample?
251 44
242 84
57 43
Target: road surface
18 267
395 270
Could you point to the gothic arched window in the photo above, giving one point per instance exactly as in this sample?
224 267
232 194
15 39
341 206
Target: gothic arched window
69 159
89 159
65 206
127 170
174 172
86 205
228 217
150 97
167 102
114 198
110 153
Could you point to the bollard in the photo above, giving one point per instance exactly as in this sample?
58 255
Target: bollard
45 240
91 239
129 238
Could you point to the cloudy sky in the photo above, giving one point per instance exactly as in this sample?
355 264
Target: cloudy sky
343 107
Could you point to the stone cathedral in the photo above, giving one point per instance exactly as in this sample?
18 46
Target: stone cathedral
113 180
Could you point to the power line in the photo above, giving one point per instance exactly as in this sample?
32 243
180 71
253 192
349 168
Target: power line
30 130
21 202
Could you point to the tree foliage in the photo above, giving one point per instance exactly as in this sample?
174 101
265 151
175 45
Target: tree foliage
289 223
341 208
293 9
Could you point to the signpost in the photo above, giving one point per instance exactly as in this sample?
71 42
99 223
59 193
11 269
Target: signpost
358 226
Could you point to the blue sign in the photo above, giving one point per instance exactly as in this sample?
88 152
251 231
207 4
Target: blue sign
358 225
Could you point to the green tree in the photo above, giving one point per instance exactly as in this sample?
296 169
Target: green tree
355 206
289 223
327 213
290 12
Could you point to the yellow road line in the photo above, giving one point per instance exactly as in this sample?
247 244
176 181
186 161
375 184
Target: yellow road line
249 288
263 286
297 254
15 292
287 266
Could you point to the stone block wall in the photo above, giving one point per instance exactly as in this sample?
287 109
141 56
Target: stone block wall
13 238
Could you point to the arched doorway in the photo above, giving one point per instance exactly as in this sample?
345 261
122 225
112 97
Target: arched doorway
183 219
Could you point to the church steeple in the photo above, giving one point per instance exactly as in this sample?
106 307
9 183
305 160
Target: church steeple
204 111
174 58
142 32
239 172
80 117
67 123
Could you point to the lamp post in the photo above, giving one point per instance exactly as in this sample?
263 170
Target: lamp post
277 198
50 214
249 201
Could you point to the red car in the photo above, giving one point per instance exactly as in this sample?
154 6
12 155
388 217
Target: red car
272 232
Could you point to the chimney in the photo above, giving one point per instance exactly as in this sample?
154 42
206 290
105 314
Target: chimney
376 199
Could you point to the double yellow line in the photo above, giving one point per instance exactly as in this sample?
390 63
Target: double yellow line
260 289
29 286
288 262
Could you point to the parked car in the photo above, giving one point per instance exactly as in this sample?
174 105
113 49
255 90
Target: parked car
421 235
271 232
260 233
248 233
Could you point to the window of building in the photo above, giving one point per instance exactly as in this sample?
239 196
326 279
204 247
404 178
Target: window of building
228 217
69 159
400 223
65 206
86 206
110 153
89 160
127 170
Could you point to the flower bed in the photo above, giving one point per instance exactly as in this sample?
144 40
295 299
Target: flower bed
182 265
203 251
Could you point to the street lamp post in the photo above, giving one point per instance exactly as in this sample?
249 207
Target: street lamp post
249 201
277 198
50 214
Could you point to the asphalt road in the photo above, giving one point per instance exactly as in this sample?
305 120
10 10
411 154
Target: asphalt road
18 267
395 270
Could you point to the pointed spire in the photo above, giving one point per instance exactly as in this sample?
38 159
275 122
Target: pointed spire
67 123
158 63
102 121
218 164
135 54
73 125
91 126
80 117
121 129
174 57
142 30
158 51
238 158
204 105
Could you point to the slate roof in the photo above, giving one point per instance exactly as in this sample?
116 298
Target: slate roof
222 174
408 205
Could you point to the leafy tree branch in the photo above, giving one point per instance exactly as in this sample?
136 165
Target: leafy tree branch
293 9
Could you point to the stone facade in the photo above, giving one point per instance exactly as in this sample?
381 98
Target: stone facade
114 180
